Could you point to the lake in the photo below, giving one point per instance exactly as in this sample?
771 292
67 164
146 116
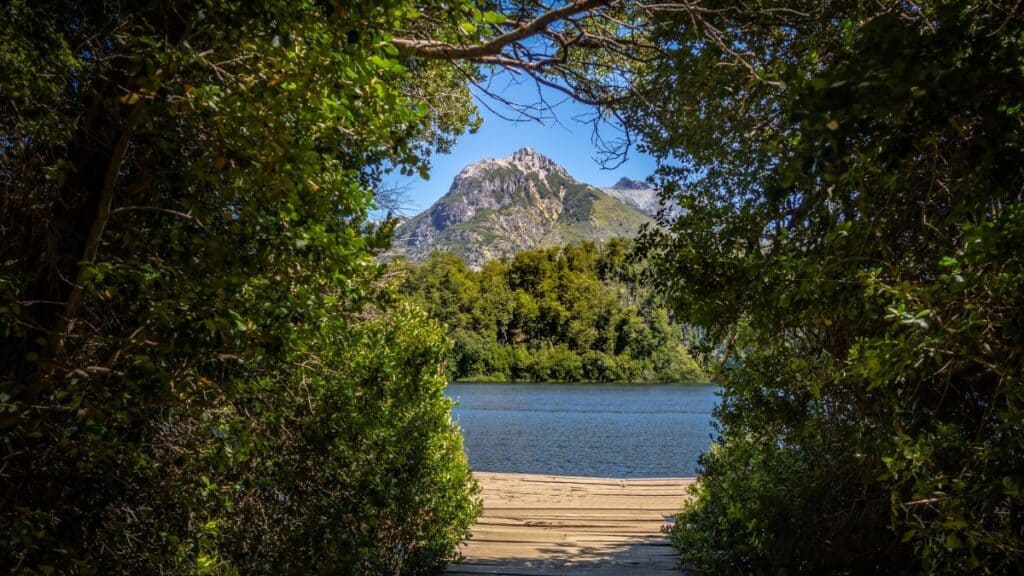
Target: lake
611 430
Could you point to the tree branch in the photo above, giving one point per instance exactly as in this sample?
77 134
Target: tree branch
75 299
177 213
437 50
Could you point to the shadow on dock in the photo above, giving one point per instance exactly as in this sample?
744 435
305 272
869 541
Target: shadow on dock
558 525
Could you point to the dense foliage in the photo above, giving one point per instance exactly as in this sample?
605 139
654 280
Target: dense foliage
193 378
576 313
851 178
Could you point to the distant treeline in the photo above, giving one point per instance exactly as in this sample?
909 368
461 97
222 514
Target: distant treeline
575 313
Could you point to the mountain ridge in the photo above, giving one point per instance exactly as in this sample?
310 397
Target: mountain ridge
497 207
636 193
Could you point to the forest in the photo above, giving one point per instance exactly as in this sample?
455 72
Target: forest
206 369
579 313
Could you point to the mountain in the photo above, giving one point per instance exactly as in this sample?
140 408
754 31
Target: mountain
497 207
636 193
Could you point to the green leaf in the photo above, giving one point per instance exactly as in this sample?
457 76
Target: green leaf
494 17
380 62
1010 486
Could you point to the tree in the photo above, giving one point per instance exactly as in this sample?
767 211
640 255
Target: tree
850 180
549 316
187 273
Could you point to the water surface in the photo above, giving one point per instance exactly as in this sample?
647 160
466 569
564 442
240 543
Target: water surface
626 430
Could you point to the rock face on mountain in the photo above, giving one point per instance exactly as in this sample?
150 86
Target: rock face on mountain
636 193
630 184
497 207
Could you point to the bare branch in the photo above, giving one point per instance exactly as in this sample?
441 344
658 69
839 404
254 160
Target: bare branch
157 209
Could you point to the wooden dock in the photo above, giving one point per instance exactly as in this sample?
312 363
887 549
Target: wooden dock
573 525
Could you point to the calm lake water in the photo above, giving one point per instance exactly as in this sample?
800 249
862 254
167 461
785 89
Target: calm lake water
585 429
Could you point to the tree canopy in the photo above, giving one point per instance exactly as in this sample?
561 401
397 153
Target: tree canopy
850 177
570 314
194 377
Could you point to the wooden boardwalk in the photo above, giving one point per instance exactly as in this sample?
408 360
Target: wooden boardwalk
571 525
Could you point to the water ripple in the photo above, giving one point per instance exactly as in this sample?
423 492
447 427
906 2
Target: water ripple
587 430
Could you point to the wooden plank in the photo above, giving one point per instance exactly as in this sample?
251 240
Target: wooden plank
537 516
515 477
568 554
628 532
513 570
535 525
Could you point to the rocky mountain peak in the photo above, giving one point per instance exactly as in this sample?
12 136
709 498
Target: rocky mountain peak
625 183
525 159
638 194
499 206
527 155
525 152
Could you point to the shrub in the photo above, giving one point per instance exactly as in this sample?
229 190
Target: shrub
347 464
850 234
557 364
190 381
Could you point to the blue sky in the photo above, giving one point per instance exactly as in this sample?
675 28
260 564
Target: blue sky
565 139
